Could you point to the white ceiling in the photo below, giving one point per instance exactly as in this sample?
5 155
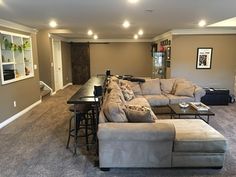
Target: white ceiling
105 17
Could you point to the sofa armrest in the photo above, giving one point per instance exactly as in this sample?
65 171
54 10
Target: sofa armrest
199 93
136 131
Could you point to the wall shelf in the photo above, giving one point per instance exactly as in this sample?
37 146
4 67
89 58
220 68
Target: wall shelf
16 61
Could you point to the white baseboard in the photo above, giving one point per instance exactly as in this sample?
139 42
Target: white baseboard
53 93
67 85
14 117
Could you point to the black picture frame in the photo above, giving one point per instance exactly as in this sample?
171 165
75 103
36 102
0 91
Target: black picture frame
204 57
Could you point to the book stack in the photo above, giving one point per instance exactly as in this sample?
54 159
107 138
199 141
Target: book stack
199 106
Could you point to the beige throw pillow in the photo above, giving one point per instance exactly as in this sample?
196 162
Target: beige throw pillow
184 89
167 85
151 87
114 112
136 113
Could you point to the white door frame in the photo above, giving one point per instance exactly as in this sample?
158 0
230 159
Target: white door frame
57 63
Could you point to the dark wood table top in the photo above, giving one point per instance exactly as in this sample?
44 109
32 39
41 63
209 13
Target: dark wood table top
189 110
86 93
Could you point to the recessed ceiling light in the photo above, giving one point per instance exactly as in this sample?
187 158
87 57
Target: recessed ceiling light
140 32
90 32
133 1
95 36
202 23
126 24
53 23
135 36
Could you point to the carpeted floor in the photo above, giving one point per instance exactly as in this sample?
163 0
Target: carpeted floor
34 146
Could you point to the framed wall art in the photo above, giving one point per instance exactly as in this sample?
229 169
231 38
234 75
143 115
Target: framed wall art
204 58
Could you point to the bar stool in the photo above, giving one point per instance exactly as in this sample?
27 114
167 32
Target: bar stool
83 120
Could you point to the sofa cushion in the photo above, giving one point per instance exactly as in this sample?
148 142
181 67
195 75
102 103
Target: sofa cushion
139 100
151 87
167 85
195 135
136 88
173 99
184 89
157 100
137 113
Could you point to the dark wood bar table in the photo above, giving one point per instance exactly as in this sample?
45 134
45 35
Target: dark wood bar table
85 95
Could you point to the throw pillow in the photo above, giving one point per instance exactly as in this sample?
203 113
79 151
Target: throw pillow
127 91
167 85
184 89
177 80
136 113
151 87
133 85
114 112
113 88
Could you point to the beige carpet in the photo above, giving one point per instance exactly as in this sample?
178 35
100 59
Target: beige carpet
34 145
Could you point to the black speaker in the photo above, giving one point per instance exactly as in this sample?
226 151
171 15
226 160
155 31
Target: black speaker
108 72
97 90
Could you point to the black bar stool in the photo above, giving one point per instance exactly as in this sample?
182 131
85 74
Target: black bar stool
83 120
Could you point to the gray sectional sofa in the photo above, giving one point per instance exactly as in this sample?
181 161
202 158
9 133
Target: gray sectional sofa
160 142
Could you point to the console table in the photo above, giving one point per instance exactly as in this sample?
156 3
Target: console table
85 95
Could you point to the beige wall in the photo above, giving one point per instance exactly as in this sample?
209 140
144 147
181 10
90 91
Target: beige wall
24 92
66 62
121 58
45 58
235 85
222 72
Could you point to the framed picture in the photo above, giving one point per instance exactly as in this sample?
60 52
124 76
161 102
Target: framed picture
204 58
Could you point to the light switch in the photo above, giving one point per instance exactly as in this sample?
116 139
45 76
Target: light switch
35 67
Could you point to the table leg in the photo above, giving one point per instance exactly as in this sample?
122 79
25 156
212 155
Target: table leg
97 121
75 126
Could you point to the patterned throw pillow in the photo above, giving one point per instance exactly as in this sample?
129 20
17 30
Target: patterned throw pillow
136 113
127 92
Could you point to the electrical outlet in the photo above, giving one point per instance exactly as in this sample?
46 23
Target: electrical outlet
14 103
